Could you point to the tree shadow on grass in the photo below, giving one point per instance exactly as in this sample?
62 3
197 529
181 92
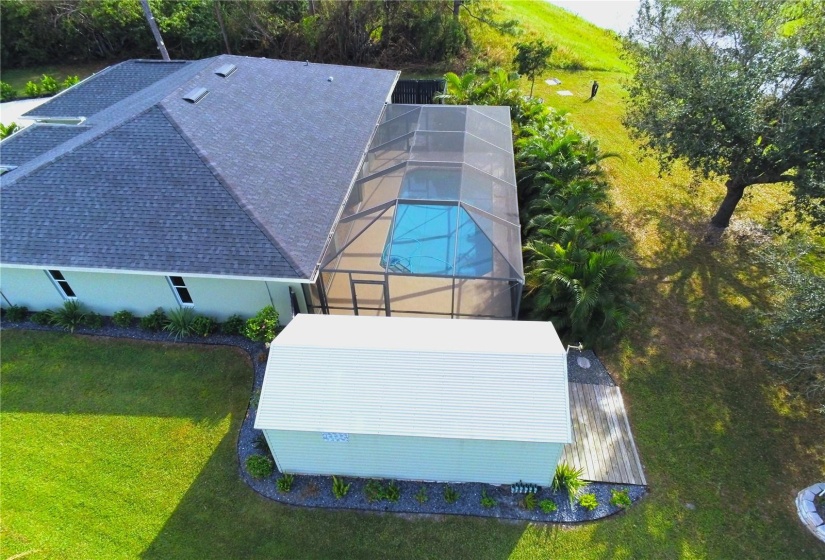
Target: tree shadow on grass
697 298
722 461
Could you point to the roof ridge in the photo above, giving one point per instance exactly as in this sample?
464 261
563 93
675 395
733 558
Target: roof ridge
232 192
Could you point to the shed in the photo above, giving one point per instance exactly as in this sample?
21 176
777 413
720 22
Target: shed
416 399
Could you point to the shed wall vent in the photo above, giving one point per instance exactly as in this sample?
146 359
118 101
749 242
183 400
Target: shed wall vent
196 95
225 70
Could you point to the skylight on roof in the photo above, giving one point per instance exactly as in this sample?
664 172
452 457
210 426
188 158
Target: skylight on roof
225 70
196 95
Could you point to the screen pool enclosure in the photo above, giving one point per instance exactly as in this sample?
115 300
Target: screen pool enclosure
430 226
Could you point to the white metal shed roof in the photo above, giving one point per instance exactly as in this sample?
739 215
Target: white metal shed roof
465 379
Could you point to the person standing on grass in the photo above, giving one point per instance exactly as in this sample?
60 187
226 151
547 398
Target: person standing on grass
594 89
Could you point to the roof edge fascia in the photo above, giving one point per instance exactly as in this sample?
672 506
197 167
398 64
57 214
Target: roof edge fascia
154 273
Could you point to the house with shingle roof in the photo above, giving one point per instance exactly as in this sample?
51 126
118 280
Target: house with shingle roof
232 183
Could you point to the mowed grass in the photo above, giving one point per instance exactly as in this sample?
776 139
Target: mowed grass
120 449
593 46
102 439
724 447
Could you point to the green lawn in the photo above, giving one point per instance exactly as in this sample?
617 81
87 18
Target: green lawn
122 449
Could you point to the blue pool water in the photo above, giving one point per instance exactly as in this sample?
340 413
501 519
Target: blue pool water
437 240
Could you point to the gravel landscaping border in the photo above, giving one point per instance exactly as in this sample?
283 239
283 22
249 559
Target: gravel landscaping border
316 491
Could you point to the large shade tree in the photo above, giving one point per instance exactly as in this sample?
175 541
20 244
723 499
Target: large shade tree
735 89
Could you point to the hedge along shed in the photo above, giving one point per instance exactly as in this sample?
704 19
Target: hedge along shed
416 399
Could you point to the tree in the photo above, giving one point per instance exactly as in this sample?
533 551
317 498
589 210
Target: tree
532 59
734 89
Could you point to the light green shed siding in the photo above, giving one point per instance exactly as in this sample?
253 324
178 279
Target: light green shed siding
105 293
415 458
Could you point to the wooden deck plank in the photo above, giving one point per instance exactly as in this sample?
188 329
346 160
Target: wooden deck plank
590 444
621 418
628 452
580 461
603 445
616 470
633 454
617 437
634 451
602 451
620 450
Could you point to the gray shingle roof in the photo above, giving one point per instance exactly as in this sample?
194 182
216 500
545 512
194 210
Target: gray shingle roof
120 202
287 143
34 141
106 88
280 141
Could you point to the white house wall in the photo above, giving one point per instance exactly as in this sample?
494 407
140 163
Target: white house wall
106 293
414 458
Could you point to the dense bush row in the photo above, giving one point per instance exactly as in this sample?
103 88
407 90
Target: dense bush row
339 31
179 323
45 87
576 268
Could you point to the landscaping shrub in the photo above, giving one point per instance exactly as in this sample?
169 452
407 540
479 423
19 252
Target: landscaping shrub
529 501
42 318
234 325
32 89
70 81
262 327
94 320
7 93
49 85
155 321
421 496
548 506
123 319
181 322
339 487
450 495
569 479
204 326
393 492
374 491
16 313
259 466
7 130
70 316
487 501
588 501
285 483
620 498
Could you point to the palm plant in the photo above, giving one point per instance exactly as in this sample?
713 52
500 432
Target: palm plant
181 322
460 90
70 316
584 292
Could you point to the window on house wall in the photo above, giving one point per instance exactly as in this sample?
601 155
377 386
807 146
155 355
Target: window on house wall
181 291
62 284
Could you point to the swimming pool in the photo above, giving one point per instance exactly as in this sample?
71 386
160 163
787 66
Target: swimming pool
436 240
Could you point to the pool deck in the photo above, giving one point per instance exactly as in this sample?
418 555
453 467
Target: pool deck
603 445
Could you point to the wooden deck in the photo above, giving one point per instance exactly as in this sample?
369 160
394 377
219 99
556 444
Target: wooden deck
603 445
